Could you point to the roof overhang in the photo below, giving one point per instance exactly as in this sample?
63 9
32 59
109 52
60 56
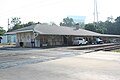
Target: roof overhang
15 32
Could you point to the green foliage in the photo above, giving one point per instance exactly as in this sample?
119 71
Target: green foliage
82 25
99 27
117 19
28 24
2 31
67 22
116 50
110 26
90 27
53 24
17 24
15 21
117 25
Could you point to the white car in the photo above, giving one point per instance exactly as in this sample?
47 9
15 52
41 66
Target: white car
99 41
79 41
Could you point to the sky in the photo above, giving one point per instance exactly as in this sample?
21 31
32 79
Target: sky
46 11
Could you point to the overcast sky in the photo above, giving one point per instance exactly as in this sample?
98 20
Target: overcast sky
55 10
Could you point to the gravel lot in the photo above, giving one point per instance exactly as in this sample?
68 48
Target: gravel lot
58 64
10 57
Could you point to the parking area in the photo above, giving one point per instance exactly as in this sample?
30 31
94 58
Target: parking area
10 57
58 64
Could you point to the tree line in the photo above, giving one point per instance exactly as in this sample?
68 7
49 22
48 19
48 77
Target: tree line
110 26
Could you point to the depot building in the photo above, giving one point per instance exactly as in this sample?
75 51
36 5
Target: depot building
42 35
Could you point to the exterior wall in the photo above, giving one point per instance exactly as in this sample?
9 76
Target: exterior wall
3 40
8 39
26 38
37 41
11 39
29 40
49 40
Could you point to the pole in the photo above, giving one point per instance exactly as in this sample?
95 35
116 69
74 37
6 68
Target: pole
95 11
8 24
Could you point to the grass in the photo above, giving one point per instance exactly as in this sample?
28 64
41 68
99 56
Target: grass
3 44
118 50
6 44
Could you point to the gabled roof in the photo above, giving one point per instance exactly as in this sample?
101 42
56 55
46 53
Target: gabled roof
44 29
25 29
62 30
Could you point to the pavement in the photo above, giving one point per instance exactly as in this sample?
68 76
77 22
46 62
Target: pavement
58 64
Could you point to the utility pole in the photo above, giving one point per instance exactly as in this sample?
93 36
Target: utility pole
8 24
95 11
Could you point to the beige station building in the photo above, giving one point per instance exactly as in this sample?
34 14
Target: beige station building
41 35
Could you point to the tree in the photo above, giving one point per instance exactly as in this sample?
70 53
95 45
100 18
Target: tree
2 31
110 19
117 25
67 22
95 27
90 27
110 26
100 27
110 29
81 25
28 24
15 23
53 24
117 19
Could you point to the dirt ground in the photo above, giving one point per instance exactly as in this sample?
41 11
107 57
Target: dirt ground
58 64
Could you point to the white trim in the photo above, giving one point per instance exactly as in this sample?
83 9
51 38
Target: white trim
19 32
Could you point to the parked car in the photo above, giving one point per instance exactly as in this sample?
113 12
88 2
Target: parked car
79 41
99 41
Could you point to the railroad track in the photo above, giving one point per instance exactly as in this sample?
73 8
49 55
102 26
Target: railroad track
103 47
